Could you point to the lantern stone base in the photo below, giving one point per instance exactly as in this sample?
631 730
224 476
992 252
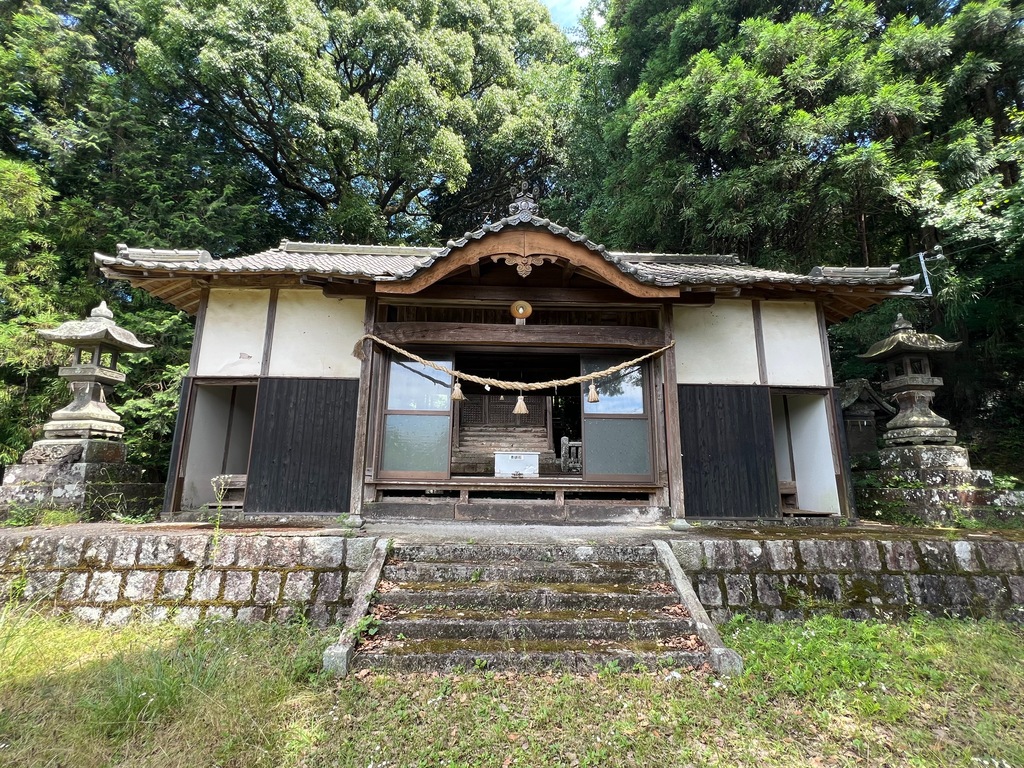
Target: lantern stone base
933 484
925 457
88 476
922 436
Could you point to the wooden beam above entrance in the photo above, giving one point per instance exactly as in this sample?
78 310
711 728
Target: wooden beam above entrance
614 336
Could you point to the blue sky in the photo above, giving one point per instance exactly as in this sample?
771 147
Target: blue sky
565 12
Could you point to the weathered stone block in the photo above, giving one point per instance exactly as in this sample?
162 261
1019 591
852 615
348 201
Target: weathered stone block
173 585
925 457
861 588
39 552
140 585
926 590
937 556
74 587
105 587
118 617
268 587
738 589
810 554
251 613
8 544
191 550
298 587
329 586
989 594
222 551
708 589
857 614
97 552
781 555
836 556
357 554
768 590
251 551
323 552
238 586
88 614
1016 585
999 556
206 585
865 553
157 550
220 612
186 617
690 555
68 551
958 591
964 557
319 615
750 555
155 614
827 587
788 615
284 551
42 584
126 550
900 556
895 590
719 555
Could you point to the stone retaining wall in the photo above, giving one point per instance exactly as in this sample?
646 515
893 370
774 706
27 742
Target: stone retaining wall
115 577
790 578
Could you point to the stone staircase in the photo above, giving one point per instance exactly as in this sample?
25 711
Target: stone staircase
478 444
527 607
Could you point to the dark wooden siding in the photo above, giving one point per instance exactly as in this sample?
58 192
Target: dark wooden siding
728 451
302 445
171 490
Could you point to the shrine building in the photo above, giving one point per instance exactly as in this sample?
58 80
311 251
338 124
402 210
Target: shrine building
519 373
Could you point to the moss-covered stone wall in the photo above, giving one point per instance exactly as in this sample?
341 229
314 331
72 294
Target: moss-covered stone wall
117 576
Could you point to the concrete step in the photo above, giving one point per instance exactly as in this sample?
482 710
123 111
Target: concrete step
553 626
580 553
525 596
530 655
540 571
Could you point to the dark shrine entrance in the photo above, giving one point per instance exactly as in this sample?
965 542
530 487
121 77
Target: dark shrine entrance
486 425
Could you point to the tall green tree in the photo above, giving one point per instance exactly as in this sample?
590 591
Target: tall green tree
363 109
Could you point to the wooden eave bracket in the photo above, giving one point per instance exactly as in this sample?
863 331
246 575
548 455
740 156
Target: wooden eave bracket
521 245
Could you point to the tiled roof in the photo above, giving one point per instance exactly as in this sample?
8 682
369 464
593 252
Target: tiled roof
167 273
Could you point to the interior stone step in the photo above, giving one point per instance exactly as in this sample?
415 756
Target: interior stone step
526 656
525 570
551 627
528 596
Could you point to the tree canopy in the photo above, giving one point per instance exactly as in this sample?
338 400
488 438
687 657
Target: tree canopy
791 134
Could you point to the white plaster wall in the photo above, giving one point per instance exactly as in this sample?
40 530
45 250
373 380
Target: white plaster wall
233 332
314 335
715 345
783 467
206 445
792 344
816 486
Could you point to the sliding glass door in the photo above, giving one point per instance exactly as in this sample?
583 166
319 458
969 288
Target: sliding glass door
417 421
617 428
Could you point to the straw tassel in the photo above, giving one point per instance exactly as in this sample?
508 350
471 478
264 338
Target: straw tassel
592 394
457 391
357 351
520 408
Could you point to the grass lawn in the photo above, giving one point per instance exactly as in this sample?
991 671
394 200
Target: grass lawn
824 692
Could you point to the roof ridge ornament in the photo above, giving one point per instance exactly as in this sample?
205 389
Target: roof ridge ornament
524 201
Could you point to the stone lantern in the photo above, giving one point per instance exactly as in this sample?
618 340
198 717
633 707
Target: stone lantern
97 342
910 381
80 463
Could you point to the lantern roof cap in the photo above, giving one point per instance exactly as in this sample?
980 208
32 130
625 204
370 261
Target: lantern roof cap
99 327
905 339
